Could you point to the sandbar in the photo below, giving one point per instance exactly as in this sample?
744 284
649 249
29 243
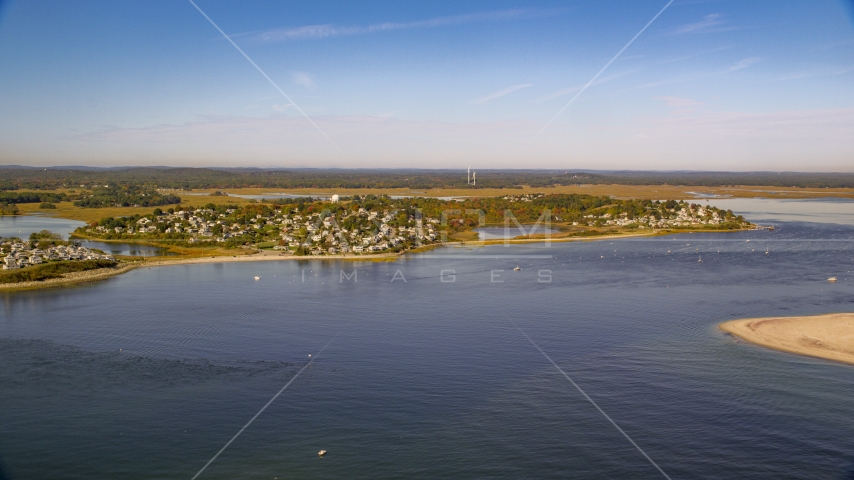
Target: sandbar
829 336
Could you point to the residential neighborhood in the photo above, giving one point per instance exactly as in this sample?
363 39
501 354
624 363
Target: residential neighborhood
20 254
338 231
686 216
375 224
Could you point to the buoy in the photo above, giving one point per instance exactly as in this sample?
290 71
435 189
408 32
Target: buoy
321 453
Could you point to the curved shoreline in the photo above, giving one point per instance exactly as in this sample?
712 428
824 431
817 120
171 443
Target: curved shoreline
92 275
104 273
829 336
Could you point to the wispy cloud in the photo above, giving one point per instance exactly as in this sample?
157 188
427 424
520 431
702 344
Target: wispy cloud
709 24
740 65
567 91
501 93
693 55
227 129
841 43
308 32
824 123
818 73
679 102
304 79
281 108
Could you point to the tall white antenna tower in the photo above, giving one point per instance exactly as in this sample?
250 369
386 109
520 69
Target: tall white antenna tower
474 178
468 176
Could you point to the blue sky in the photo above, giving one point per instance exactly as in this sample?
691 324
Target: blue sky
709 85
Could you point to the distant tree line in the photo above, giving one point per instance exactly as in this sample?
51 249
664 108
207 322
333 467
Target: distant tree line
126 196
32 197
17 178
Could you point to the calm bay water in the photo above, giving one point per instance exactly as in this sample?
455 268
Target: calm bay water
23 226
493 233
426 374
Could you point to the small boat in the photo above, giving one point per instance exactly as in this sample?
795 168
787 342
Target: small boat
517 269
321 453
257 278
700 260
831 279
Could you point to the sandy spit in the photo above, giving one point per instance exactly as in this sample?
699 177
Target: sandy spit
829 336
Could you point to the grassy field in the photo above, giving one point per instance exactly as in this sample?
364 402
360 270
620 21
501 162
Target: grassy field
68 210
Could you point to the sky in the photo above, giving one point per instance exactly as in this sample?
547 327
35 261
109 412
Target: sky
738 85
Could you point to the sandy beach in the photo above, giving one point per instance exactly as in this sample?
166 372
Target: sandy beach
829 336
263 256
103 273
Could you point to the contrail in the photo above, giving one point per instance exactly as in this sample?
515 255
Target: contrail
603 69
262 408
591 400
267 77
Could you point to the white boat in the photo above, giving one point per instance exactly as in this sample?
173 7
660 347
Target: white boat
321 453
700 260
517 268
831 279
257 278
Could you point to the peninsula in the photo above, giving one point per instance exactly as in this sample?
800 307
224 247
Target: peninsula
829 336
379 223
